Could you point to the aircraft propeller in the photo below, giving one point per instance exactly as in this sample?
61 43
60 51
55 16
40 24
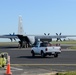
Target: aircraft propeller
58 35
13 38
47 34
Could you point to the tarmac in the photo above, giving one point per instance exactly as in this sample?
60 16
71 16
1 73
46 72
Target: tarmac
17 71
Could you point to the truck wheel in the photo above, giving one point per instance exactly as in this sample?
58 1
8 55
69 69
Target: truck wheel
42 54
33 54
55 55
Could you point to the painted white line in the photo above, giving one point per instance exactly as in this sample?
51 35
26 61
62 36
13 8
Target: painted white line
19 49
43 64
16 68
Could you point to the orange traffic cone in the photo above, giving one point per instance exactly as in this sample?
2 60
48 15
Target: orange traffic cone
8 71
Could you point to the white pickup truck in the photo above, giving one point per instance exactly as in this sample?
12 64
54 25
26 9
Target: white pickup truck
44 49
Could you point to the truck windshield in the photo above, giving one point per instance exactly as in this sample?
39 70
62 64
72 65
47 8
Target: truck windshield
45 44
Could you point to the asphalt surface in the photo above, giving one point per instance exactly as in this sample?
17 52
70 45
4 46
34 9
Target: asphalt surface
63 46
23 56
23 63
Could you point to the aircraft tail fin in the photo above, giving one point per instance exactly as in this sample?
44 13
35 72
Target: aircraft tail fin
20 26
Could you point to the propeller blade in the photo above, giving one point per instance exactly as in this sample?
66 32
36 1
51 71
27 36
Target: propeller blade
11 39
57 39
44 33
60 33
57 34
14 39
60 39
13 33
9 34
48 33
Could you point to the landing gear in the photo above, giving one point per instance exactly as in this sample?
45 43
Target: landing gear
23 44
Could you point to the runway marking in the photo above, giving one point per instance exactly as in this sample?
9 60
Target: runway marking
15 69
43 64
18 49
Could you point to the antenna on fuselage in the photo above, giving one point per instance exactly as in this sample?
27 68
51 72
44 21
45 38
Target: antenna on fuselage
20 26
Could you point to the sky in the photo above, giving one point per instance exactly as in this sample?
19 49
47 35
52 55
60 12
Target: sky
38 16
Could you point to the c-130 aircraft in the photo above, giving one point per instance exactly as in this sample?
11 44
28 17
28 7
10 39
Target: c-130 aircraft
32 39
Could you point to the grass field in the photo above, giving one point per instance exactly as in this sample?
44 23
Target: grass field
65 42
67 73
8 43
72 47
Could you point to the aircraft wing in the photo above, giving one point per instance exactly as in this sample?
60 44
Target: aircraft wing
54 36
8 36
37 36
50 36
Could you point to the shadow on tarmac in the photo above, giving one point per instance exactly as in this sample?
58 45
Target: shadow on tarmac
39 57
7 47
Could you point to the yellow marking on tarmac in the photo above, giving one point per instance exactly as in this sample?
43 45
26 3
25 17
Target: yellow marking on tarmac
43 64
